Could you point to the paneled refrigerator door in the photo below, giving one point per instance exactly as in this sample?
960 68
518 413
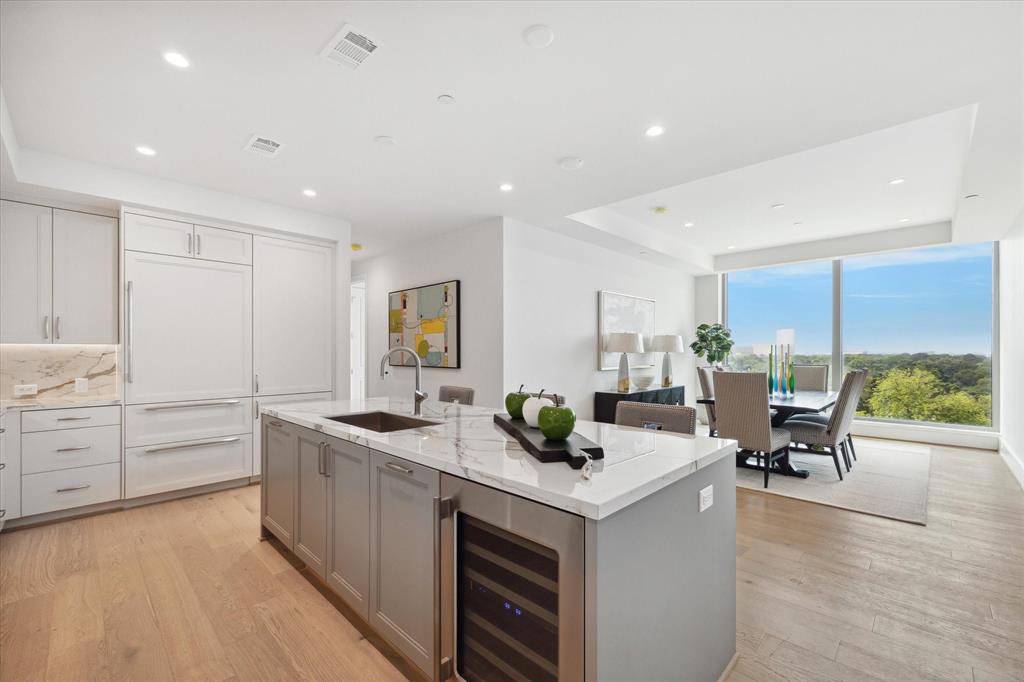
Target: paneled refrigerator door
188 329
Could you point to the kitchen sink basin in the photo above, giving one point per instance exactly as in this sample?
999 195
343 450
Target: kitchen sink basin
382 422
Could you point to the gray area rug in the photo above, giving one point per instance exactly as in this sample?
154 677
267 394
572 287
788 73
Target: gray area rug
889 479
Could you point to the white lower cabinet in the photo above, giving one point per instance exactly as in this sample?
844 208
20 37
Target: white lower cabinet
70 448
67 488
155 469
189 420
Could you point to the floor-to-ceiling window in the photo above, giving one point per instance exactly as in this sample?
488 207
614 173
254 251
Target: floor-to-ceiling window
919 320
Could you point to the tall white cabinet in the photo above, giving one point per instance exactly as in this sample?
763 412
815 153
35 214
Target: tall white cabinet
58 275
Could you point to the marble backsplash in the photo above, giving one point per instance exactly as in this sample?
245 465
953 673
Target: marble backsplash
54 369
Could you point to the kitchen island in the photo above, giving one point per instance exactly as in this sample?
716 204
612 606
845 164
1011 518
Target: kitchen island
474 559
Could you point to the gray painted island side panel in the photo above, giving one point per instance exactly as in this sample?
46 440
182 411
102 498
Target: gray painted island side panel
661 584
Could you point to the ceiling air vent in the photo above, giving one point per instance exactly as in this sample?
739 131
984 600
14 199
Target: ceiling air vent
349 47
263 146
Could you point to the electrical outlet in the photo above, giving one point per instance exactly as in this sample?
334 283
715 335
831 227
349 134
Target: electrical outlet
21 390
707 497
81 385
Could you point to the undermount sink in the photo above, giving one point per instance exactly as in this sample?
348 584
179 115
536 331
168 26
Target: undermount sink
382 422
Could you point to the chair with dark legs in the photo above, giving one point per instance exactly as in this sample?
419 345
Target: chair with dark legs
823 418
707 389
741 413
674 418
831 438
462 395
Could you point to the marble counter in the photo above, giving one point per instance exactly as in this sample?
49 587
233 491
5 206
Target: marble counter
465 442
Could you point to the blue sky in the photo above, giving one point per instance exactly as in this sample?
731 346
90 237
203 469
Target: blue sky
937 299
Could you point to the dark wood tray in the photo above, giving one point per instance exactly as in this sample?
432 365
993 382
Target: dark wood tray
573 450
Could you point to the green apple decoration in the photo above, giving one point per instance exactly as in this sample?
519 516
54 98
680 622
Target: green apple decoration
514 402
556 422
531 408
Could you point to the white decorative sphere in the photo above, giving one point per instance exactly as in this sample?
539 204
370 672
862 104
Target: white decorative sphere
531 409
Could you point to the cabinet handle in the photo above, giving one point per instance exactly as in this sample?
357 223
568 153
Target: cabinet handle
3 513
255 410
256 383
201 444
189 247
277 424
74 487
398 467
327 460
3 465
76 449
198 245
72 419
129 331
202 403
46 326
56 327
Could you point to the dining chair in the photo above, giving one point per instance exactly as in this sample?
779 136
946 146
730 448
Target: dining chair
810 377
832 435
707 389
741 411
674 418
456 394
823 418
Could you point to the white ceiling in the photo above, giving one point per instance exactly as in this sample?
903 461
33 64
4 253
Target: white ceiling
735 84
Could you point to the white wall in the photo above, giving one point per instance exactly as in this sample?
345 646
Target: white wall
550 309
472 255
1011 348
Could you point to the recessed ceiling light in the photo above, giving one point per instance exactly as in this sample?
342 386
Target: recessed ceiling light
506 187
730 247
797 224
176 59
904 220
445 99
972 196
687 224
570 163
778 205
309 192
538 36
385 140
897 181
145 151
654 131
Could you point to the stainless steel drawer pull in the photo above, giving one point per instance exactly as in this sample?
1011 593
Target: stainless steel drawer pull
3 465
56 327
181 406
3 513
398 467
129 332
46 326
199 247
76 449
72 488
72 419
200 444
278 424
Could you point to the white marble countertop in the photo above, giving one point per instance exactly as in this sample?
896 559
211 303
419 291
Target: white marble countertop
13 404
467 443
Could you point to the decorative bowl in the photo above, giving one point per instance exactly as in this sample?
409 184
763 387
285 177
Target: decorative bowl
643 381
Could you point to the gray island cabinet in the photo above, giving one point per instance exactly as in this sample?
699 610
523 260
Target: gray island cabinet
475 562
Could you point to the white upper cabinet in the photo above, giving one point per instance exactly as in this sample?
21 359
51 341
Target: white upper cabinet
26 233
157 235
214 243
84 278
293 326
188 329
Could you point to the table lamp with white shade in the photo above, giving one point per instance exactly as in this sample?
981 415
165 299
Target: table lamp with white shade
624 342
667 343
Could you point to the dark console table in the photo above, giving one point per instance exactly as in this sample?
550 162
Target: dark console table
605 401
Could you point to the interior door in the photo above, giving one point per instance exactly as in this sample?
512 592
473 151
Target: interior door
84 278
293 320
26 292
188 329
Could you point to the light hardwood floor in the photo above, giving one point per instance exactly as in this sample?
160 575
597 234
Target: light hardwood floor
184 590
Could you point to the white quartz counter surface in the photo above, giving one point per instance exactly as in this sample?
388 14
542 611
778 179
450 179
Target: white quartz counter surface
467 443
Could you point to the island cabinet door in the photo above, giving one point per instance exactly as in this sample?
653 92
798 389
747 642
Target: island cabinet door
311 505
403 566
278 485
348 558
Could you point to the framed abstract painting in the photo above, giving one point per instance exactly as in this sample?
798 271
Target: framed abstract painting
623 313
425 319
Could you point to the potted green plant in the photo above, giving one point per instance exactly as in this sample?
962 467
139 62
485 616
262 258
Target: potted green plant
714 342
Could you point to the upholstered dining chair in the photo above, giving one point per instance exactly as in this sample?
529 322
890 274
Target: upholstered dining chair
456 394
707 389
810 377
832 436
823 418
674 418
741 412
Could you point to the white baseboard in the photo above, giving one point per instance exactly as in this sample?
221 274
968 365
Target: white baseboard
1013 461
923 433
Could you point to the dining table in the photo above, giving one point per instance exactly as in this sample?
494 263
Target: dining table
800 402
